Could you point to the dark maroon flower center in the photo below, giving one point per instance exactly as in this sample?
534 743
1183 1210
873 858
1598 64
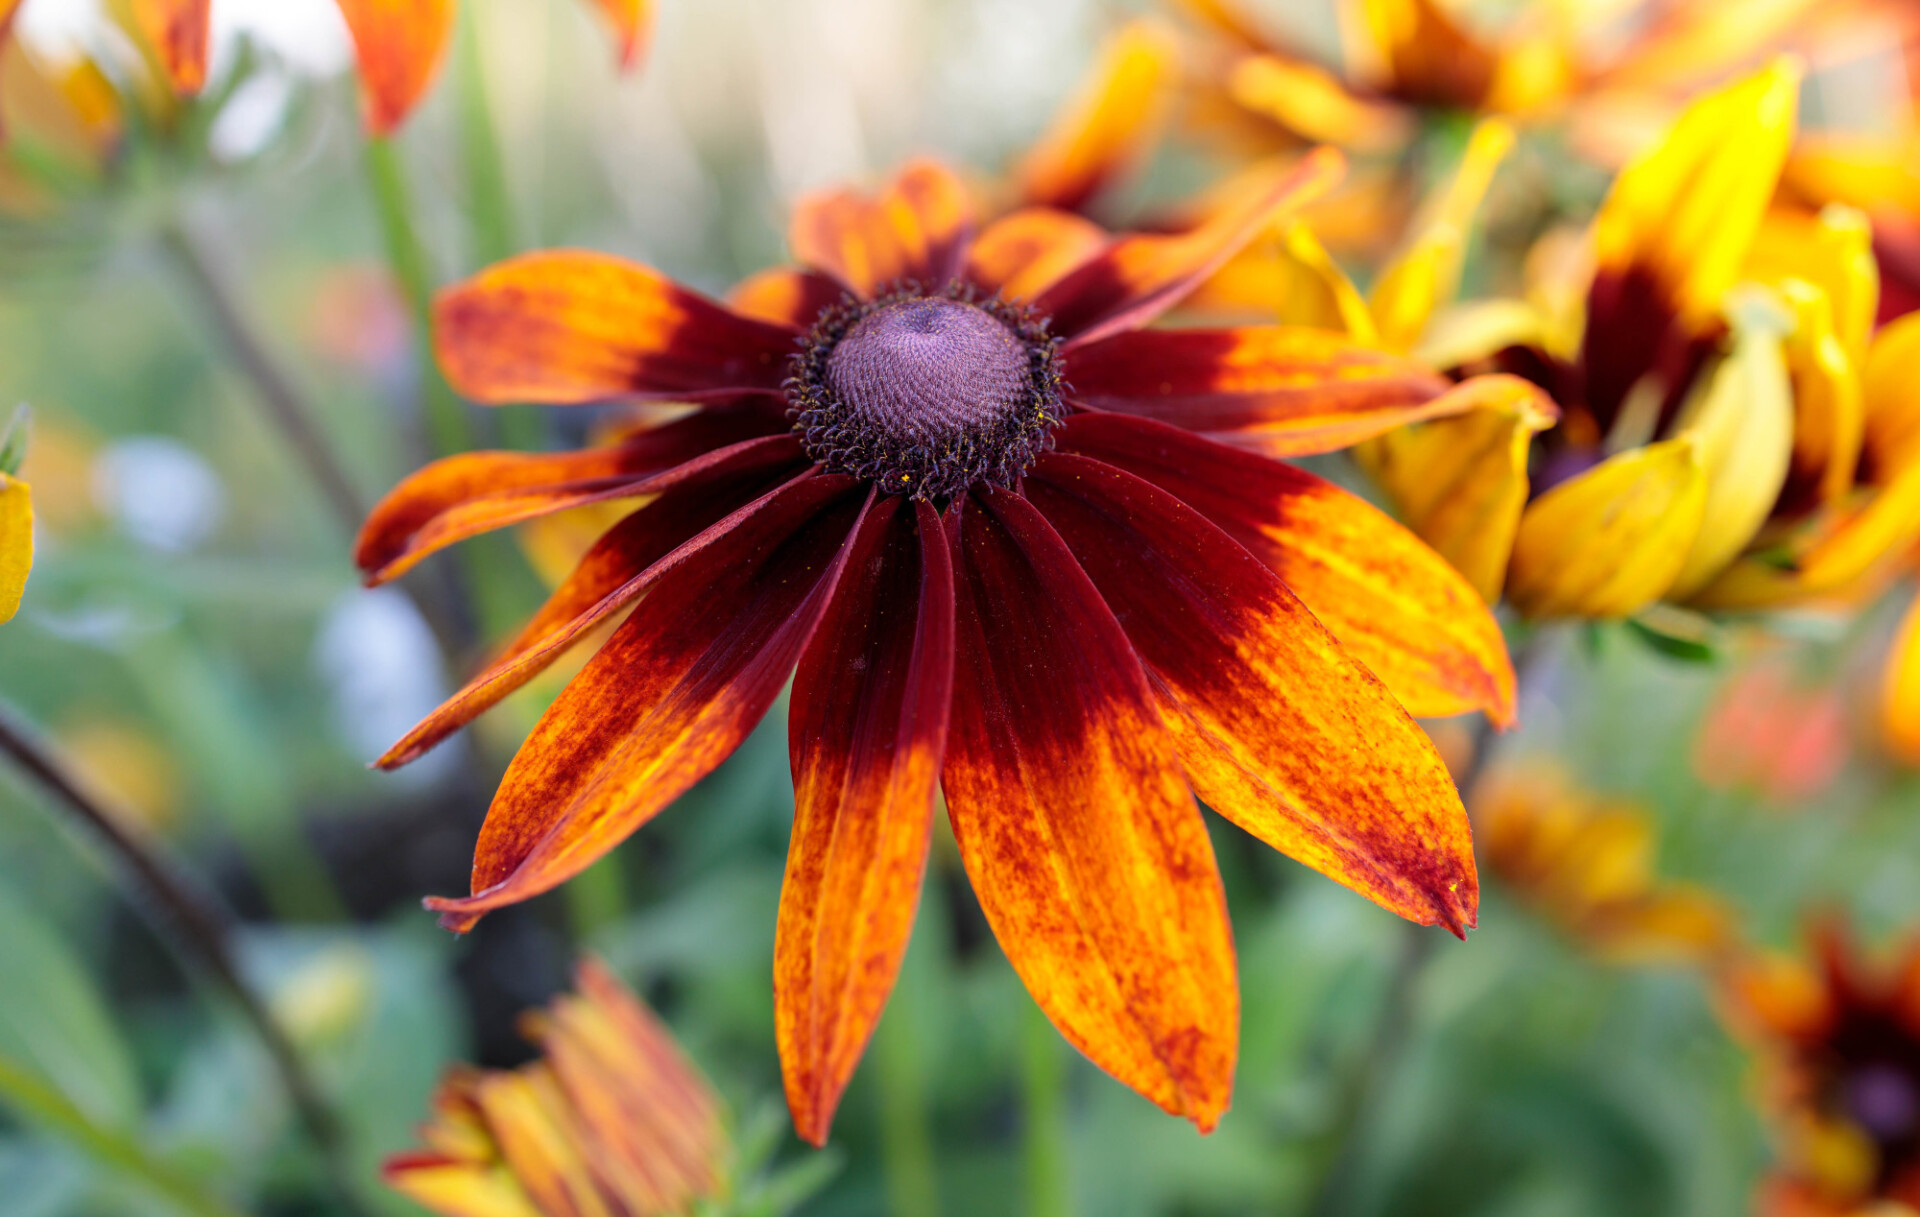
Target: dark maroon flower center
926 394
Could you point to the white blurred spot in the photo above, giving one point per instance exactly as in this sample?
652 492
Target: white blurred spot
252 116
158 491
308 34
379 659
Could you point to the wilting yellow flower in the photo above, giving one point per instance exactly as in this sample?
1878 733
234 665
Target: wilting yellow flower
1732 432
1839 1043
1586 863
612 1118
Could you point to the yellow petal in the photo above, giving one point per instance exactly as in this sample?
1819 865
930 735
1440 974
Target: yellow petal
1461 483
1290 277
1856 544
1427 273
1479 329
16 543
1741 413
1832 250
1310 101
1610 541
1900 692
1688 211
1829 417
1890 396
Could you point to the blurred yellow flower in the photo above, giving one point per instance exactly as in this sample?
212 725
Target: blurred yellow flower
1586 863
612 1118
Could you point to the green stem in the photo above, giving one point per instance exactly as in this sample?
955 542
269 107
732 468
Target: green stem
495 234
906 1137
286 408
1043 1078
448 427
194 923
36 1101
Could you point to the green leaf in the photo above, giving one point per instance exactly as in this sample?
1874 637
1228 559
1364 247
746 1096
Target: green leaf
13 441
1673 646
54 1023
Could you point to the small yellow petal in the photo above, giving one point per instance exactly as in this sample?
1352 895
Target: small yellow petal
1610 541
1829 416
16 543
1832 250
1741 413
1688 211
1461 483
1427 273
1309 100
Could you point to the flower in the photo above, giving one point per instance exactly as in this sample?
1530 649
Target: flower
613 1118
1401 57
954 481
1840 1045
399 45
1773 730
1586 863
1714 394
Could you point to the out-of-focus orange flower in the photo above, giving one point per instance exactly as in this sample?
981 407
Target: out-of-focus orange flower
399 44
1399 57
1774 732
1109 125
1071 607
1586 863
613 1118
1839 1045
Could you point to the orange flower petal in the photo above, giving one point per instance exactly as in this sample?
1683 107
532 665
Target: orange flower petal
474 492
1023 253
1137 278
568 326
178 31
1285 390
399 44
1108 126
1279 730
632 22
1085 848
916 229
665 701
785 296
1428 58
870 705
629 559
1393 604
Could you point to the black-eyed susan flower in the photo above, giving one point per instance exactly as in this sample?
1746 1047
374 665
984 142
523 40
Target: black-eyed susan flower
1586 863
1839 1043
399 44
1715 376
612 1118
955 483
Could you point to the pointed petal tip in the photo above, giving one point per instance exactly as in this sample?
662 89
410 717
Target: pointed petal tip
453 916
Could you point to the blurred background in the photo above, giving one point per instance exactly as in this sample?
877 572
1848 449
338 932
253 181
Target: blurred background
195 642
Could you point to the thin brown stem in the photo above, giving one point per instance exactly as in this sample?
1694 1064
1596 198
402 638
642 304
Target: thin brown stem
1360 1100
286 407
200 930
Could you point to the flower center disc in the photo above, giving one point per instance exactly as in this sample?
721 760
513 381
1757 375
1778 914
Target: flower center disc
926 395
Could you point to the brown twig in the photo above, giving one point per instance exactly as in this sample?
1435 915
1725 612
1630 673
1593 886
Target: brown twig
189 918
